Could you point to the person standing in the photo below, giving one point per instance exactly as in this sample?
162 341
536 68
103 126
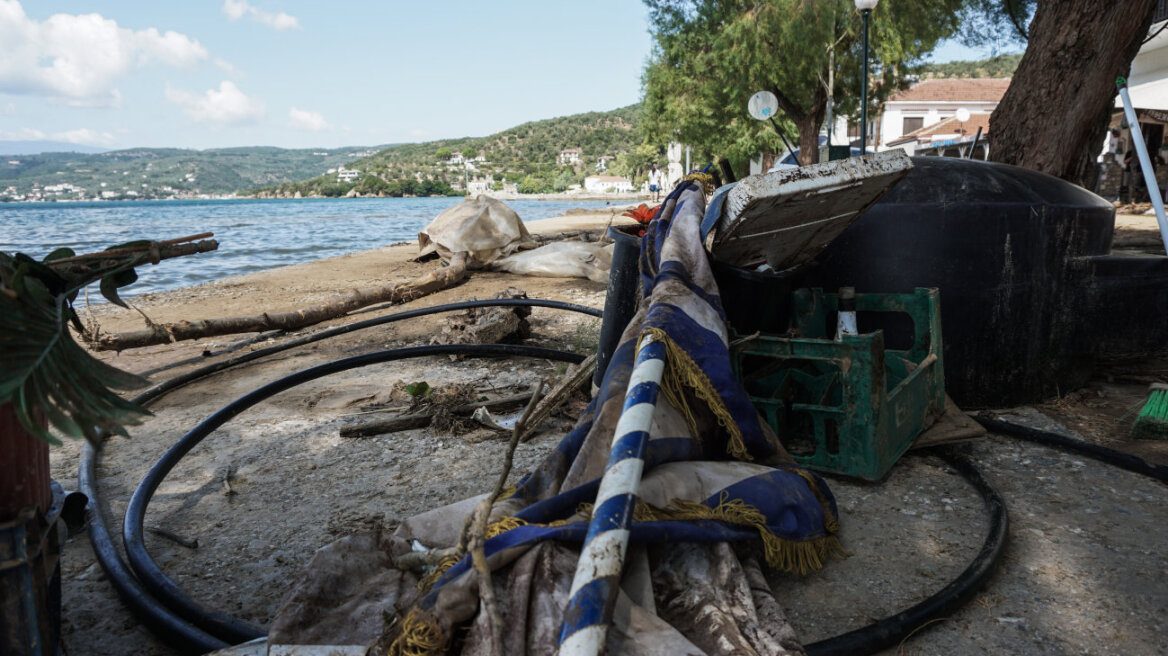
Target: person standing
654 184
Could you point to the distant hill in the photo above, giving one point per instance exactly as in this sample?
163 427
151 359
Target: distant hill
526 154
163 172
34 147
999 66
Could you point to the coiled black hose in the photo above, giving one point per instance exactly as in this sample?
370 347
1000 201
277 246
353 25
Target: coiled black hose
170 627
891 630
152 577
176 630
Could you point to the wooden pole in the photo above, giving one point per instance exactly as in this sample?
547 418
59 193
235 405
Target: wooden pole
438 280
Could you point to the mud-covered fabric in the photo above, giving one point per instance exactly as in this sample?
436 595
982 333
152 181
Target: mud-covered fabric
712 476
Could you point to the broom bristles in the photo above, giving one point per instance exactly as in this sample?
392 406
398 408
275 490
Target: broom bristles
1152 422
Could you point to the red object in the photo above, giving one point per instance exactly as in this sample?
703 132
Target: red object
642 213
24 467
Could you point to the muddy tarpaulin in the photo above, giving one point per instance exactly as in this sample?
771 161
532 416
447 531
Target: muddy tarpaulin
484 228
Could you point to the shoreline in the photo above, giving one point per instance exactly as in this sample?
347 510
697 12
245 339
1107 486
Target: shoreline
561 197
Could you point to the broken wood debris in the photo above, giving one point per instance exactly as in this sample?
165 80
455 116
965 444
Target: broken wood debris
434 281
423 419
489 325
558 395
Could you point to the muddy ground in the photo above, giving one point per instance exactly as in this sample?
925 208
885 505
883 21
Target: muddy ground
1084 571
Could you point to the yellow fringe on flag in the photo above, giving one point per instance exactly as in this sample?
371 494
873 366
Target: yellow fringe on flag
420 635
503 525
431 577
705 179
681 372
505 493
830 523
784 555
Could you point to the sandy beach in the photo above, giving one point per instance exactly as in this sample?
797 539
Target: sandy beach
262 493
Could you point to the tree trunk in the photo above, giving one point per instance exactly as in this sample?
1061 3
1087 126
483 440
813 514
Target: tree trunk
1054 115
443 278
808 126
807 122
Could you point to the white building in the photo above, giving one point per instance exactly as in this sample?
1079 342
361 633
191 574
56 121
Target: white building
950 137
607 184
480 185
348 175
569 156
929 102
1148 88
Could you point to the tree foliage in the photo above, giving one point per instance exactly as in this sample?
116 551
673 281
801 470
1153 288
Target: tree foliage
710 56
997 66
45 374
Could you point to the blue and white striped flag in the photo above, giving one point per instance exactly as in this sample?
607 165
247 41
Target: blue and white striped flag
711 472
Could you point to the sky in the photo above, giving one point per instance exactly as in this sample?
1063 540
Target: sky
304 73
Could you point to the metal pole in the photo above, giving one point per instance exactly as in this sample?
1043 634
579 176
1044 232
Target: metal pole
783 136
592 597
1137 136
864 90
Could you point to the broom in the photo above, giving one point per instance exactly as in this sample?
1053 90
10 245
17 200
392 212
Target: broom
1152 422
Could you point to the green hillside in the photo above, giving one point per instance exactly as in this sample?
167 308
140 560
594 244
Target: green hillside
999 66
163 172
526 155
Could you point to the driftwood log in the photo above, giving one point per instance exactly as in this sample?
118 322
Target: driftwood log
443 278
422 419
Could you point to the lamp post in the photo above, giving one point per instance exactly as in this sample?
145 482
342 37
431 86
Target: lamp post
865 7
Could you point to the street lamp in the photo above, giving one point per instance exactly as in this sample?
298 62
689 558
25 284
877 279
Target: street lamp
865 7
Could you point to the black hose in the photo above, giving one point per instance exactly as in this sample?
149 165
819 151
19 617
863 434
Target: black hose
158 618
1119 459
178 381
891 630
171 628
152 577
879 635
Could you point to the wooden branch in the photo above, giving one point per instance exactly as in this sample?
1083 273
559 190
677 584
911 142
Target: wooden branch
558 395
438 280
94 265
115 252
422 419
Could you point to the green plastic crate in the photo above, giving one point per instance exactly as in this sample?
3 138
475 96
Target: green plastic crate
851 406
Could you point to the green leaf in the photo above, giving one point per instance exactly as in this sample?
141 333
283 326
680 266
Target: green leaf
47 376
114 281
418 389
59 254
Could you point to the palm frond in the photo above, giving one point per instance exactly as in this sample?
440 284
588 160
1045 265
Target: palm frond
46 374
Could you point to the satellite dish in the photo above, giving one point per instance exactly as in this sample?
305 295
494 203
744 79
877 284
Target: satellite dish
963 115
763 105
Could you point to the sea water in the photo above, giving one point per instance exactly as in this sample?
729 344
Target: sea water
253 234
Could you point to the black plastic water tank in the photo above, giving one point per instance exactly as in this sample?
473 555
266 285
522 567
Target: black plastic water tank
1008 248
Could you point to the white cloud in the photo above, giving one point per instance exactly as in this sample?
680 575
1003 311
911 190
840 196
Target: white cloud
237 9
229 68
83 136
303 119
79 59
226 105
9 110
23 134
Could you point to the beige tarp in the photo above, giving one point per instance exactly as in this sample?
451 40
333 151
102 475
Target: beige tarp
484 227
